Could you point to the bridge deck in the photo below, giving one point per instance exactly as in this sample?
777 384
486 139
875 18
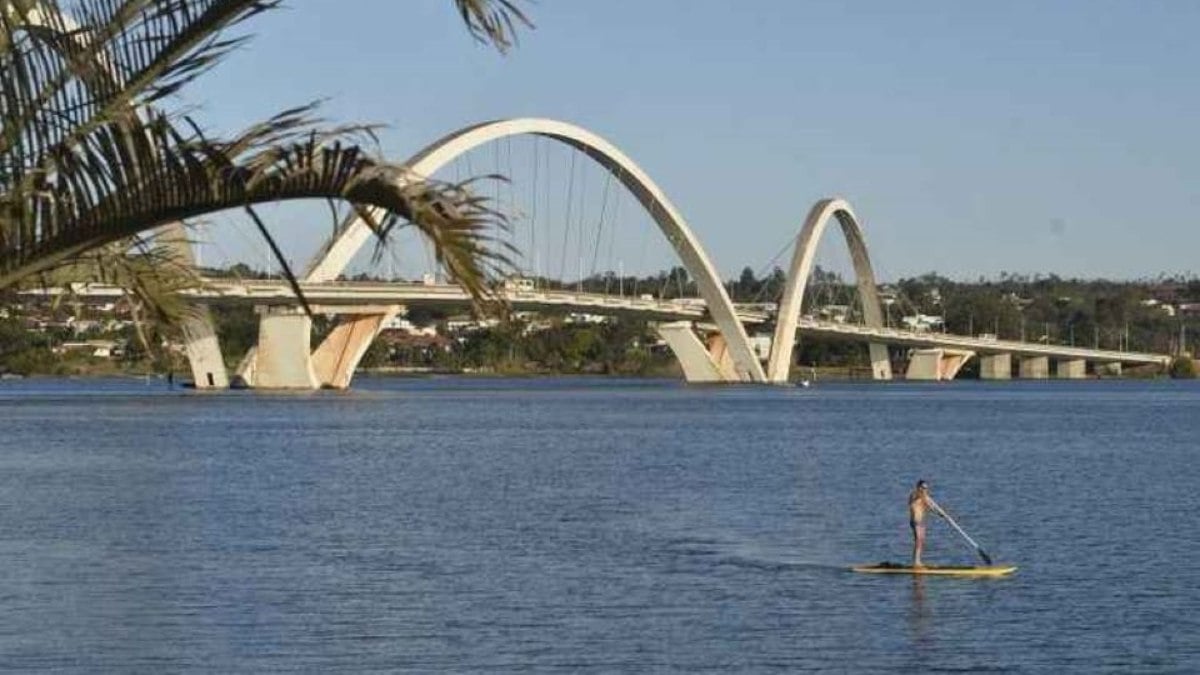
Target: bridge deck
904 338
346 296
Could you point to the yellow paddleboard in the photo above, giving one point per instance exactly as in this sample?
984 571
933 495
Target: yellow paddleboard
940 570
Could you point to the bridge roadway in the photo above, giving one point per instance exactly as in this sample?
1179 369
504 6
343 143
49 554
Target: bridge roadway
984 346
357 297
344 293
351 297
337 296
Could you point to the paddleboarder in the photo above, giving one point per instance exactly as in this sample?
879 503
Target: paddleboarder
919 502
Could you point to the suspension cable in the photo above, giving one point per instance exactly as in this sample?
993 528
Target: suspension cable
600 224
612 231
582 237
562 264
771 264
534 208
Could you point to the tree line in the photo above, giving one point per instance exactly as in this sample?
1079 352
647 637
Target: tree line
1108 314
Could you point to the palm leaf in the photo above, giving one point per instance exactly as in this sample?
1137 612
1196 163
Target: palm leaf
65 74
84 162
129 177
493 21
150 273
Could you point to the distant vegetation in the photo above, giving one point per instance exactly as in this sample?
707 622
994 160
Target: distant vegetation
1183 368
1145 315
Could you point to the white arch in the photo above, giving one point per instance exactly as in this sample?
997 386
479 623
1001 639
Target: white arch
333 258
784 341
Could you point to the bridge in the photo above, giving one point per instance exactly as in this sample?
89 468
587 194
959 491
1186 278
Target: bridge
707 334
935 355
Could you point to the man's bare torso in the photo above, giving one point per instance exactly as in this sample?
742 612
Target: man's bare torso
918 504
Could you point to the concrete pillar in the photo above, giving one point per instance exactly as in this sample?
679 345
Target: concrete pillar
1034 367
953 360
283 360
694 358
995 366
1108 369
339 355
244 375
936 363
924 364
1070 369
199 334
718 348
881 363
203 350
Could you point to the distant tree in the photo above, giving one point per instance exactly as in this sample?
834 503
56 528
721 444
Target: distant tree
746 286
242 271
378 354
238 328
1182 368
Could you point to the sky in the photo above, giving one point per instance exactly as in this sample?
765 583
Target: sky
971 138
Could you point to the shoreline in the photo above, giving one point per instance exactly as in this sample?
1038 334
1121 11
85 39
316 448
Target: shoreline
797 376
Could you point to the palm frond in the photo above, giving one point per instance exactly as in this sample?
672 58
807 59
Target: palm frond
151 269
130 176
493 21
64 73
85 161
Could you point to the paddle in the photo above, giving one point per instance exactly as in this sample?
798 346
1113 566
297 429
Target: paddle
987 559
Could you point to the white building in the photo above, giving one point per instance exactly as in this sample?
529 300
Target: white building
403 325
922 322
519 285
761 345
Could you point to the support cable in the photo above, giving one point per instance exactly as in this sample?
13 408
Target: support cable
770 265
534 207
549 226
517 213
582 229
612 231
600 223
496 203
562 263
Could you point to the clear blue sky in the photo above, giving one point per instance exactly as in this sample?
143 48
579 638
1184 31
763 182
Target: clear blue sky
971 137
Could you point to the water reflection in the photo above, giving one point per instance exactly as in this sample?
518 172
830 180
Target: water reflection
920 617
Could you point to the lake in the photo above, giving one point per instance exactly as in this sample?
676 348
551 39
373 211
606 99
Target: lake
595 525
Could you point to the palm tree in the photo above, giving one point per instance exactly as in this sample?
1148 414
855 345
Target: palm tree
90 161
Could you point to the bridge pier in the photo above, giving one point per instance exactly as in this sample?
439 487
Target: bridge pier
204 351
199 332
718 349
936 363
698 363
282 359
881 362
1034 367
339 354
243 376
995 367
1112 369
1070 369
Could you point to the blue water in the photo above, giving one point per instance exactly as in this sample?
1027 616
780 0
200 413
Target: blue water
594 525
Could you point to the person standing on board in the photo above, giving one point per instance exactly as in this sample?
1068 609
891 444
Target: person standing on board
919 502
